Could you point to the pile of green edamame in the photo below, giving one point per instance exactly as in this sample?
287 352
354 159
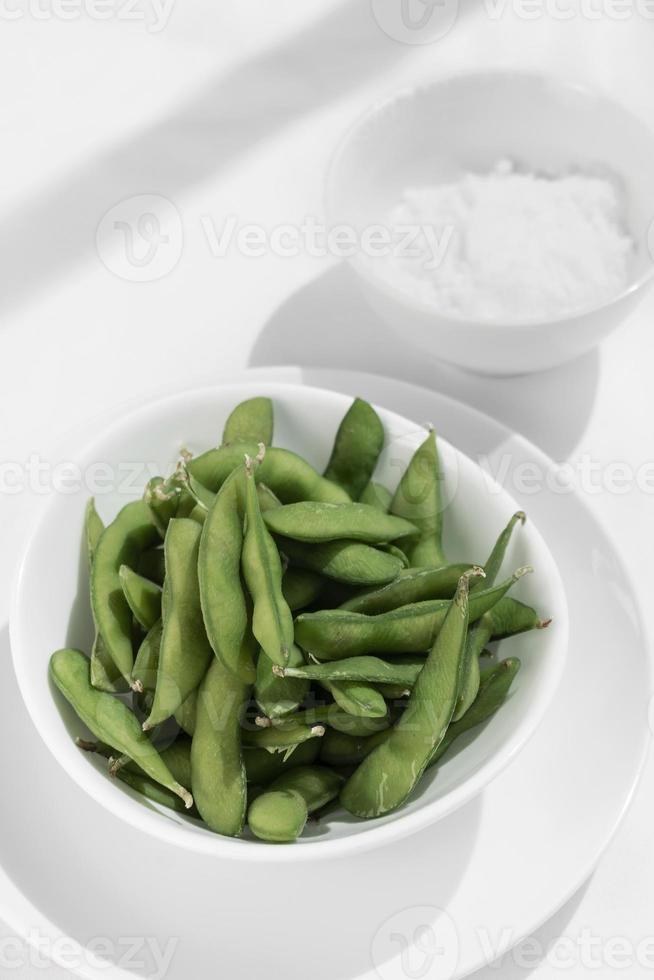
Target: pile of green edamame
271 642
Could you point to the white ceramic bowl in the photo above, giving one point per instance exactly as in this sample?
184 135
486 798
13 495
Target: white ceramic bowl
51 607
469 122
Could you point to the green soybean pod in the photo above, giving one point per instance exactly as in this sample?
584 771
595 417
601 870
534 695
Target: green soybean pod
411 585
418 499
510 616
217 768
272 620
367 670
109 719
162 498
393 692
152 791
187 713
387 776
280 814
143 597
313 521
356 698
279 695
185 650
393 549
340 749
223 600
289 476
335 634
105 676
177 756
251 421
282 738
345 561
263 766
301 588
376 495
478 636
333 716
93 528
495 560
357 446
146 664
121 543
493 690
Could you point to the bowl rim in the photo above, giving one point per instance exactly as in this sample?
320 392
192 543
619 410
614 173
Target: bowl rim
386 104
127 805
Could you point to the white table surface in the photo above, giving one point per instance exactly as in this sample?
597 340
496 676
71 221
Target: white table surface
234 109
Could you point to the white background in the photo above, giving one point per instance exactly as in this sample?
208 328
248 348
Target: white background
234 108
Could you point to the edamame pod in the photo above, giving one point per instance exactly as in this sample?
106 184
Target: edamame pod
222 597
377 496
250 421
495 560
358 443
335 634
418 499
105 676
185 650
121 543
143 597
217 769
275 817
477 635
493 689
162 498
340 749
289 476
344 561
511 616
278 817
411 585
93 528
368 670
144 674
356 698
272 620
282 738
316 522
109 719
334 717
187 713
387 776
279 695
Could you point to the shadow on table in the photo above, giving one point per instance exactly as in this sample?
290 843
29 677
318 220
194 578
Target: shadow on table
520 962
203 135
328 324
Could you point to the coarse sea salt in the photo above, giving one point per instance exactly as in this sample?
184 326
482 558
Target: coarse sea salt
513 246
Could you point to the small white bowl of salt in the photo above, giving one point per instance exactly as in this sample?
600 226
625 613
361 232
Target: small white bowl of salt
502 220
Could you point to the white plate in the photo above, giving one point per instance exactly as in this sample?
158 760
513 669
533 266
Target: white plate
501 865
53 579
